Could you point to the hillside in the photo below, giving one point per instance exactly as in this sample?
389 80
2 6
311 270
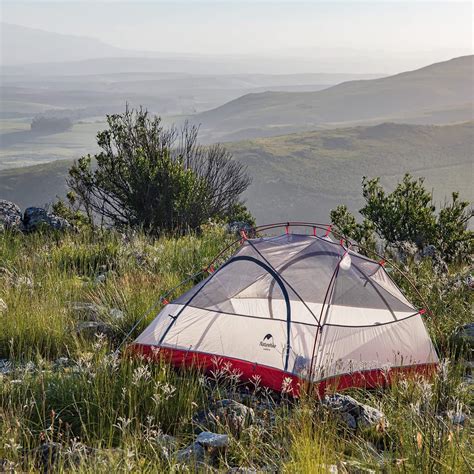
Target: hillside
438 93
303 176
30 45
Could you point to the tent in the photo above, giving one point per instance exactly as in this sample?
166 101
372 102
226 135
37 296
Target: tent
291 309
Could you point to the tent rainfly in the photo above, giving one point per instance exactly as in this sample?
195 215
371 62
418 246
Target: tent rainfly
294 309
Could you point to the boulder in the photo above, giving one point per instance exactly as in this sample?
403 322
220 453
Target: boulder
353 413
235 415
212 440
192 454
36 217
3 306
10 216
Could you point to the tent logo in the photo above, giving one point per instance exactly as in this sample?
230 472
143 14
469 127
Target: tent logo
267 342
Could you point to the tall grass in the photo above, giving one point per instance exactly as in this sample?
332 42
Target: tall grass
111 414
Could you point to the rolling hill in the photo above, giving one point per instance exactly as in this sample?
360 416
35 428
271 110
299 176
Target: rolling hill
30 45
305 175
439 93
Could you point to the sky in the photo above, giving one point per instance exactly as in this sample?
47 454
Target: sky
256 27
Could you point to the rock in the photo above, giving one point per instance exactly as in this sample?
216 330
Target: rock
10 216
212 440
91 328
235 415
116 314
36 217
100 278
355 414
3 306
192 454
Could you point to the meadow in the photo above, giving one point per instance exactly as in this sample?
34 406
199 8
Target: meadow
70 403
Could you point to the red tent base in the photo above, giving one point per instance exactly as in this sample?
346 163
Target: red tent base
276 379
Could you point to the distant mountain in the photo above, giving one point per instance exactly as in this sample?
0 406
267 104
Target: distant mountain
440 93
305 175
22 45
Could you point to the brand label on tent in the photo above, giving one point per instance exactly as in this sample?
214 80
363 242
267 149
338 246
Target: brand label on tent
267 342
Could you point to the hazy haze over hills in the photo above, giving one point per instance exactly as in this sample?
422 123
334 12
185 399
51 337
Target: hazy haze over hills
306 175
250 73
438 93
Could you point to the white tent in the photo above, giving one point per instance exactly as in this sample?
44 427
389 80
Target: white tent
291 309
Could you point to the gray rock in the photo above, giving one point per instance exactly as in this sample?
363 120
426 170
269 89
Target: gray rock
100 278
354 414
3 306
36 217
212 440
235 415
10 216
91 328
192 454
116 314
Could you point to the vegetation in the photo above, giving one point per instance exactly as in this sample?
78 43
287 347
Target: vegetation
299 175
157 179
408 216
107 413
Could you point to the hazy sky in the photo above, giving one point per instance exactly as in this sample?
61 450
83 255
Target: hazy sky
243 27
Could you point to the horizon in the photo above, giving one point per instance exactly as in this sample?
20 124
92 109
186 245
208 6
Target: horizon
330 35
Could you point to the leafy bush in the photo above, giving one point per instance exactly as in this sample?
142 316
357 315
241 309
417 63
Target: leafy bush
409 215
157 179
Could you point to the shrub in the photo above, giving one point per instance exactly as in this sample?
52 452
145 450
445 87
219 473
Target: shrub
155 178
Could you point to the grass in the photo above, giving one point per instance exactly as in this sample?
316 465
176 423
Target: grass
110 414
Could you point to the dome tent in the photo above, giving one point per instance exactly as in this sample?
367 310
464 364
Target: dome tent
291 309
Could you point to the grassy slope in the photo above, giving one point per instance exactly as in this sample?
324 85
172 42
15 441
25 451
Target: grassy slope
421 96
109 414
303 176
